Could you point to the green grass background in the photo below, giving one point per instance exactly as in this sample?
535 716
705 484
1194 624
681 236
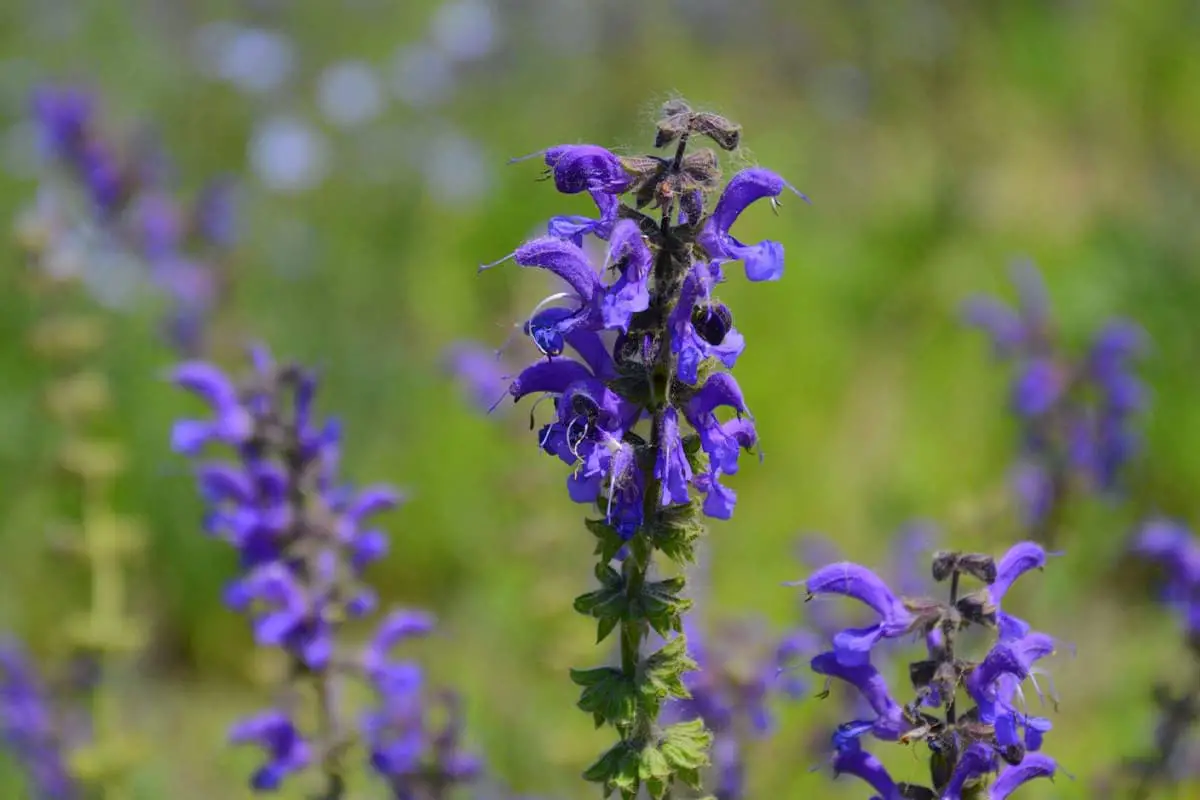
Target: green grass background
1063 131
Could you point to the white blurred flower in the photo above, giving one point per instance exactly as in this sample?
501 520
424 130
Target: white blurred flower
421 75
349 93
256 60
465 30
288 154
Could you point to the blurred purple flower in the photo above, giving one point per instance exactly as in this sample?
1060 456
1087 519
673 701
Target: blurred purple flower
1077 415
29 729
304 543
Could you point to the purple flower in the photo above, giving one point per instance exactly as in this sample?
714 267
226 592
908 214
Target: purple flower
1038 388
287 750
232 424
701 328
135 210
889 721
763 261
285 617
853 760
215 213
1077 414
965 743
630 292
305 544
853 645
29 728
639 410
977 761
586 167
1172 546
395 628
1032 766
672 468
1019 559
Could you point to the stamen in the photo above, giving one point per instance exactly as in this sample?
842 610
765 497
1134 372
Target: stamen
482 267
798 193
543 303
519 159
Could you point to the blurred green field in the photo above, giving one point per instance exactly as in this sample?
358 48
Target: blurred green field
938 141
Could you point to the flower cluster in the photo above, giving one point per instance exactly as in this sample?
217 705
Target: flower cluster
907 572
1077 414
32 729
129 214
643 413
304 543
968 746
1172 547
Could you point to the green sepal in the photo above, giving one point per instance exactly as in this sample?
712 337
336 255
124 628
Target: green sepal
662 671
655 772
608 695
685 746
661 605
608 541
675 531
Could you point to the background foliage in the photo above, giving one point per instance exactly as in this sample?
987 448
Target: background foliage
938 140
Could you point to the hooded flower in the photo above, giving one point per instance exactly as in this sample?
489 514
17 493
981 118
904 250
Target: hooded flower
702 328
283 614
232 423
287 750
723 442
1019 559
889 721
850 759
975 763
672 469
852 646
763 261
590 168
595 305
1011 778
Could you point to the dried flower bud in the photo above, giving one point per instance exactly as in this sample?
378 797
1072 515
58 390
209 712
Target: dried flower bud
977 565
944 562
921 673
978 608
726 134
